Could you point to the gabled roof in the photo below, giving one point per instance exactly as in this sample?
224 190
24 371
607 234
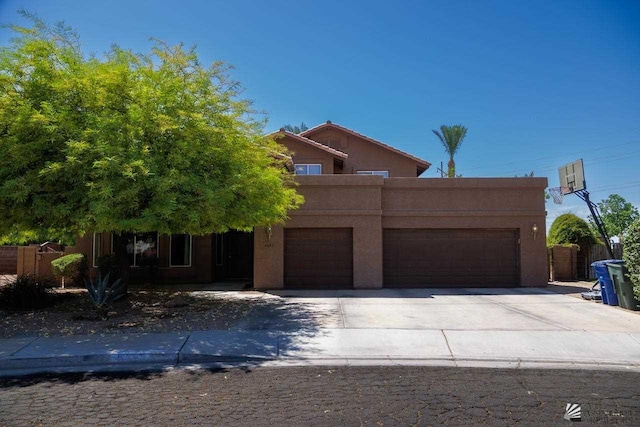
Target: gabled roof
422 164
332 151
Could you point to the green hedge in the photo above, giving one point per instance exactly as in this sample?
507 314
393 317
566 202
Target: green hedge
73 267
66 266
571 229
631 255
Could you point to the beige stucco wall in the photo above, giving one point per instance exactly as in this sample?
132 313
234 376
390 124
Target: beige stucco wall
308 154
369 204
365 155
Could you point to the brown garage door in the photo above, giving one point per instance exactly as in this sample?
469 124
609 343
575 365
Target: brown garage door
318 258
450 258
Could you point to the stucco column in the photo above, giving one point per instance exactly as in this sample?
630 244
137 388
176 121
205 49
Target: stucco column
533 254
367 254
268 258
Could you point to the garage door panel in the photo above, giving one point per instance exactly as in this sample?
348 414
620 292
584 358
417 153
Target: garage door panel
449 257
318 258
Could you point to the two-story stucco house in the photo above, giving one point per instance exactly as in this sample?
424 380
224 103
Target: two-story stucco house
368 221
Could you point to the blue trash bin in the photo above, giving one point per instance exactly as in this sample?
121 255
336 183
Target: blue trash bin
606 284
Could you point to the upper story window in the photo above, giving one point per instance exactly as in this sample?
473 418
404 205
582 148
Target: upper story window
381 173
308 169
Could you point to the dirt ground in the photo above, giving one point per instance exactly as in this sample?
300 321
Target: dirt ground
72 313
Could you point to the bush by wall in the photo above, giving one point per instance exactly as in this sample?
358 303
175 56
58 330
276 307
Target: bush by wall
571 229
631 255
108 264
26 292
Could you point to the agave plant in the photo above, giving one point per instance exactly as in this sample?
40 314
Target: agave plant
103 294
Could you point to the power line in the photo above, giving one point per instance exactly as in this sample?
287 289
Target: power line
622 185
612 158
554 156
555 144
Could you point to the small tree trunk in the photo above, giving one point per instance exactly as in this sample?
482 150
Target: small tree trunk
452 168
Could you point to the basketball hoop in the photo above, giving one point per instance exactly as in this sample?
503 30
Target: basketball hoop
557 193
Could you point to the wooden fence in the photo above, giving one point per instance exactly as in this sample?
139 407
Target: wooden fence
598 253
568 263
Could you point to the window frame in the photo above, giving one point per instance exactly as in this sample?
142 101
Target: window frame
382 173
295 166
190 252
96 254
135 240
93 248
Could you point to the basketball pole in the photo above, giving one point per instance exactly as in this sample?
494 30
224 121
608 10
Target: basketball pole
595 214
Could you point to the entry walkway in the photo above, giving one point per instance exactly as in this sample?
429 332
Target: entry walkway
519 328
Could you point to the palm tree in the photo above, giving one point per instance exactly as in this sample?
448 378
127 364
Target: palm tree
451 137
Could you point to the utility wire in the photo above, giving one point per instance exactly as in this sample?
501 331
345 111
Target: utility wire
612 158
555 156
555 144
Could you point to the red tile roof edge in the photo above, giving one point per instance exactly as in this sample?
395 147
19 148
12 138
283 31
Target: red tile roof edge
312 142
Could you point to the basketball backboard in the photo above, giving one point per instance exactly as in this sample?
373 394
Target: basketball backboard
572 177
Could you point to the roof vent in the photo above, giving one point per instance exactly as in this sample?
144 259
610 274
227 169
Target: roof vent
281 129
328 122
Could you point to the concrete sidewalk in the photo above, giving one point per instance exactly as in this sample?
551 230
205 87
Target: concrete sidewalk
516 349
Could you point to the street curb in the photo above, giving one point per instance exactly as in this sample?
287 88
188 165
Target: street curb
164 362
121 358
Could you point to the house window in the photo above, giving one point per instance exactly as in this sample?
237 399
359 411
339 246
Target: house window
308 169
97 245
142 249
180 250
381 173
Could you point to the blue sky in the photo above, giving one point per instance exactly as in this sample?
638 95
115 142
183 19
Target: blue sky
538 83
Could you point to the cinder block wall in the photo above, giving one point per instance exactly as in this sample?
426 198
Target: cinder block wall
8 259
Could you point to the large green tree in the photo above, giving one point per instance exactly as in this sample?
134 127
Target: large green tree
129 142
451 138
617 214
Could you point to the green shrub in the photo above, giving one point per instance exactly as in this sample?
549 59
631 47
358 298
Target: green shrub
631 254
65 266
73 267
570 229
103 294
26 292
108 264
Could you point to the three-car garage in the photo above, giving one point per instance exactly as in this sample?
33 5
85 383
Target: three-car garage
322 258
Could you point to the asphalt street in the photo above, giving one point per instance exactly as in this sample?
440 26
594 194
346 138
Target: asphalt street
387 396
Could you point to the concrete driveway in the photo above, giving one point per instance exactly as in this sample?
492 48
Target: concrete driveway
525 327
522 309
